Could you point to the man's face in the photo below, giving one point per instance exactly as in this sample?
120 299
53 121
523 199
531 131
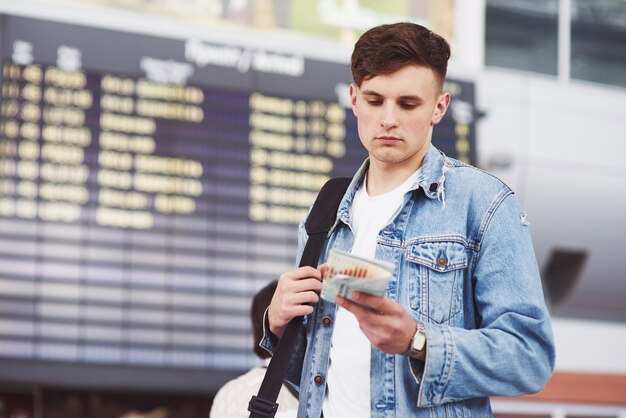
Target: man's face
396 113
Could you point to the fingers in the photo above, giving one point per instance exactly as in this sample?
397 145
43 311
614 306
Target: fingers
364 314
385 323
373 307
300 285
296 291
322 268
301 279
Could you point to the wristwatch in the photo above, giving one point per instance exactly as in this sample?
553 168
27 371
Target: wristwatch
418 342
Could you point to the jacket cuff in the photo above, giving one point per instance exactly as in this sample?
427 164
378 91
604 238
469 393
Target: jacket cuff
269 340
432 375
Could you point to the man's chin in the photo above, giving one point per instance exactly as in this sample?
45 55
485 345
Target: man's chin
387 156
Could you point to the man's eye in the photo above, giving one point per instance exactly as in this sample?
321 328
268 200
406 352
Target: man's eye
374 102
408 106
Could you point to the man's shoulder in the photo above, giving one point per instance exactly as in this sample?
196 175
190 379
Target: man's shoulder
473 179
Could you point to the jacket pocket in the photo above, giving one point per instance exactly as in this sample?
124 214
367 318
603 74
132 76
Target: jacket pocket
437 272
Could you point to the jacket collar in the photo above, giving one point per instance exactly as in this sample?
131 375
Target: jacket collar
430 179
433 173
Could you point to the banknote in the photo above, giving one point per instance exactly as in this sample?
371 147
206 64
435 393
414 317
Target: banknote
347 273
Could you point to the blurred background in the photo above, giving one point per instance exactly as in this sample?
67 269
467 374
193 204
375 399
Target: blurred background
157 155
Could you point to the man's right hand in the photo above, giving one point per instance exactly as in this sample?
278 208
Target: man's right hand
296 293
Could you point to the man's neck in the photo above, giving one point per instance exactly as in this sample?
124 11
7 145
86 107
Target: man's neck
382 178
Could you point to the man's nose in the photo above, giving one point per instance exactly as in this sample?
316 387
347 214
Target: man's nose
389 117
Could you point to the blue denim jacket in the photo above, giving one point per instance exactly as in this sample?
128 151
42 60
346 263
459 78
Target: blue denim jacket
465 266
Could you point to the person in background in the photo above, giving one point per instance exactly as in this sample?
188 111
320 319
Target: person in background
464 316
231 401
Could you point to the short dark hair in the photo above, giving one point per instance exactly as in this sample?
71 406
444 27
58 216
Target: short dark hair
387 48
260 302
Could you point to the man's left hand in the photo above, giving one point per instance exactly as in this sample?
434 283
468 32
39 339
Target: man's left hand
388 326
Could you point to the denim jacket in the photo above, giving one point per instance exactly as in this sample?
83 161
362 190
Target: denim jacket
465 267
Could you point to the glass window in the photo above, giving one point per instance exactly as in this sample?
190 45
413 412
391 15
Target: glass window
522 34
598 41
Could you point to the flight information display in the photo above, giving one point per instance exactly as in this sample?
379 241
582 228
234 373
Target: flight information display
149 187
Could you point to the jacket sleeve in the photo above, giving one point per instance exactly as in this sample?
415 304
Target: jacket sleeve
269 344
511 350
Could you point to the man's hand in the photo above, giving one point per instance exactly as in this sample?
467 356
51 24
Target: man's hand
388 326
296 292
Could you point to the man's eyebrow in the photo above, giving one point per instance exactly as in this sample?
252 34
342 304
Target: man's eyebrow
371 93
405 97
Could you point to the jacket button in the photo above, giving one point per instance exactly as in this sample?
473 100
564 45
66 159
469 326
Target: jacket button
326 321
442 262
318 379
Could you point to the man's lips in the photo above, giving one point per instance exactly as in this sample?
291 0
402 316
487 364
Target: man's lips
388 139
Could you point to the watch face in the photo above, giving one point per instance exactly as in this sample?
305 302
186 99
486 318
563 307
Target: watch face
419 341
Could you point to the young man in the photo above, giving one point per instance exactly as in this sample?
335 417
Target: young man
464 316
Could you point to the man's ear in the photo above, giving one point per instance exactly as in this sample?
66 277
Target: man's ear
353 91
440 108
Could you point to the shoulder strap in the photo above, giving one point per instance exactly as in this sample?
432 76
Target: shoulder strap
321 218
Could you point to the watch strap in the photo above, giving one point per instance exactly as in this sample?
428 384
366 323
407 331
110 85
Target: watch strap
420 332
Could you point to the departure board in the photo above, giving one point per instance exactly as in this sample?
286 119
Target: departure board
149 187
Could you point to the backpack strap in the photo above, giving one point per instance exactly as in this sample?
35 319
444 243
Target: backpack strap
321 218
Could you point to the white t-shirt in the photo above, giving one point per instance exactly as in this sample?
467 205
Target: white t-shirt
348 380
